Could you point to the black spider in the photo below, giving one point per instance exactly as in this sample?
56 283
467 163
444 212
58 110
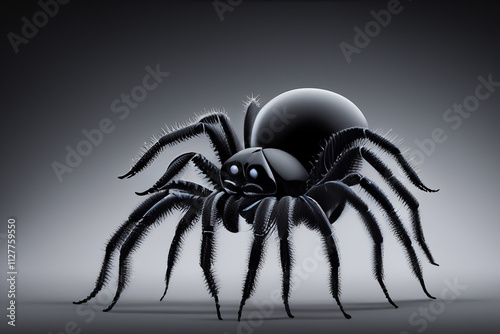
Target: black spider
303 151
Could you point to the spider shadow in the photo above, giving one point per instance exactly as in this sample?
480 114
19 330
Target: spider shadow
325 311
206 310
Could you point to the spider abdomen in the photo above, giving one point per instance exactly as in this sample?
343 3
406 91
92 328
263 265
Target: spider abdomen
298 121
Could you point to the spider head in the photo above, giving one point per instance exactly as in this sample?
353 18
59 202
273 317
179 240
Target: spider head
263 172
247 172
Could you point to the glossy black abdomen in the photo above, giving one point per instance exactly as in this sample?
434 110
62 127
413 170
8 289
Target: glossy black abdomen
298 121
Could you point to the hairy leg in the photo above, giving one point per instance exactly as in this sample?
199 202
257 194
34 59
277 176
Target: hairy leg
207 169
320 192
283 214
224 143
350 138
396 225
349 159
162 208
210 219
314 217
261 228
117 240
185 225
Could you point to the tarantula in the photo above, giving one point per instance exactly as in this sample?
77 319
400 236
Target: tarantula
303 152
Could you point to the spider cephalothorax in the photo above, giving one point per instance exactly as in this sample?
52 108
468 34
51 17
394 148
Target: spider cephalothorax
264 172
303 152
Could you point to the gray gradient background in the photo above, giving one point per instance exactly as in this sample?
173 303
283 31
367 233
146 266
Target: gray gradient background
65 78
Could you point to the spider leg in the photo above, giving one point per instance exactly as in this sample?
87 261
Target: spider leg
261 227
186 187
316 219
207 168
349 161
349 138
250 115
216 136
230 213
249 207
396 225
117 240
283 216
160 209
185 225
233 208
228 130
210 219
320 192
410 201
335 214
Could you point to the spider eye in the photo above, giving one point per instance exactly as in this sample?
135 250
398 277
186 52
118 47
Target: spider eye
234 169
253 173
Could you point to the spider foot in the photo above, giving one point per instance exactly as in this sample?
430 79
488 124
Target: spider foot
428 294
217 306
240 310
128 175
386 293
392 303
107 309
164 293
289 313
346 315
83 301
341 307
424 288
146 192
426 189
110 307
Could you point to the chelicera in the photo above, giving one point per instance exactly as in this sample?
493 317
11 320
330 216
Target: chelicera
301 154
